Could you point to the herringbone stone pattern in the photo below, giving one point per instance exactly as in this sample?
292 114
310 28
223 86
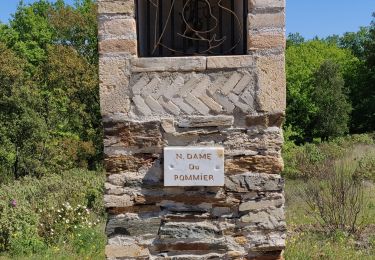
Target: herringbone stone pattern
193 93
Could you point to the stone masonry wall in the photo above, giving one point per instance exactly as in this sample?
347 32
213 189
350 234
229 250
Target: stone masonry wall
236 102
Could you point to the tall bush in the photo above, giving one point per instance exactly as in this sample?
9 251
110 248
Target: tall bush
335 196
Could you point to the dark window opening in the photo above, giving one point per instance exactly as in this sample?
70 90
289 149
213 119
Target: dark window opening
191 27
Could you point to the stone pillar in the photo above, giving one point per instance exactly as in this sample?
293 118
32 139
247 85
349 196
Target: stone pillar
235 102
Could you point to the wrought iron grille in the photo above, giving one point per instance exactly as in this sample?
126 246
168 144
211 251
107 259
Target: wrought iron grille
191 27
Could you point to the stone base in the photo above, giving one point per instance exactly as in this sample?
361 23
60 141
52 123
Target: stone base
242 220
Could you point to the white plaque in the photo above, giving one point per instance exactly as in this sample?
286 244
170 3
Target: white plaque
193 166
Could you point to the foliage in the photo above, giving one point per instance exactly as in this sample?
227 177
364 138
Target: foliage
40 213
331 118
31 31
363 95
70 99
294 39
355 41
357 69
49 116
303 61
22 130
76 27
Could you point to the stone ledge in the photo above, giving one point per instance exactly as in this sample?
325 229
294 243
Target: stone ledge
271 219
189 230
192 63
117 201
198 256
230 62
168 64
115 118
133 134
266 255
262 202
218 245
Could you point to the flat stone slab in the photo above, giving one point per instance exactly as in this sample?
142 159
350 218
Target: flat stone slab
193 166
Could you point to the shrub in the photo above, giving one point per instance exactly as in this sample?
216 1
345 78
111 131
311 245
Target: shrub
366 165
26 240
18 228
37 213
334 196
58 223
301 161
304 160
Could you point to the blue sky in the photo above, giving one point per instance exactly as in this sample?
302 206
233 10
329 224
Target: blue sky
8 7
327 17
308 17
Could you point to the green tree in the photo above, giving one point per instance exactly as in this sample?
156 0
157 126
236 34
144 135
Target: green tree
356 41
50 119
70 106
302 62
333 39
331 118
361 80
364 113
76 27
32 31
294 39
21 129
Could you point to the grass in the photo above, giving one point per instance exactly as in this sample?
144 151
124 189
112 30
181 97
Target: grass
310 245
78 248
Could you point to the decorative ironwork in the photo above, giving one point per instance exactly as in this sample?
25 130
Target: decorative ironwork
191 27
